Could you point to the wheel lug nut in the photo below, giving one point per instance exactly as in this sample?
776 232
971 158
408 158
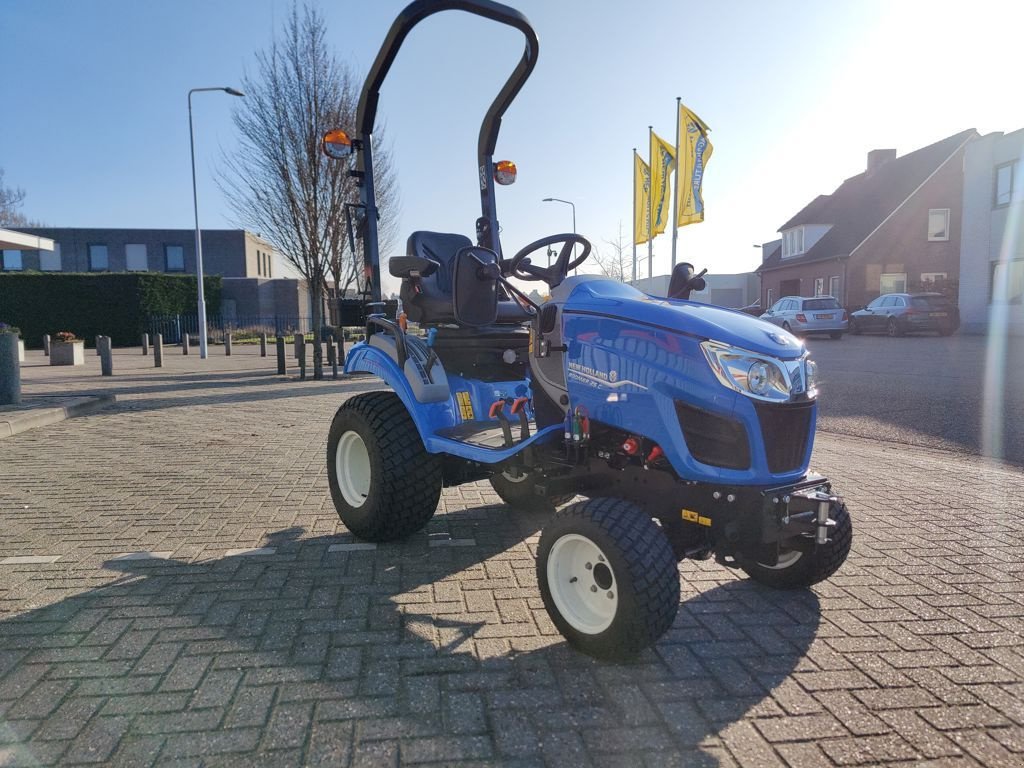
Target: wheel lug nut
593 588
611 595
589 566
601 558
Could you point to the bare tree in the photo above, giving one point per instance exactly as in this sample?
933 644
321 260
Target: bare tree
10 202
618 263
279 183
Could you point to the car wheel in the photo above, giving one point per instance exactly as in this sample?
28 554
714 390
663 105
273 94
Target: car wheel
892 328
837 335
855 328
785 327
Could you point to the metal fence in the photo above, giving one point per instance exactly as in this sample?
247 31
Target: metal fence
172 327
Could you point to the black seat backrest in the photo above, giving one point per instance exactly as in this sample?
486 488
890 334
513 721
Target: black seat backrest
428 300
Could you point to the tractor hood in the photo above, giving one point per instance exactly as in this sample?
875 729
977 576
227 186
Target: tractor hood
609 298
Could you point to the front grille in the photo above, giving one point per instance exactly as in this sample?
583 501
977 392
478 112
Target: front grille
712 439
785 430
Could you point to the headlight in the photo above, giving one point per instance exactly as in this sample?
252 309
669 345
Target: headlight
759 376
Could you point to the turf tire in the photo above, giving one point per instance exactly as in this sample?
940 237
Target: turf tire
812 567
644 568
522 495
405 480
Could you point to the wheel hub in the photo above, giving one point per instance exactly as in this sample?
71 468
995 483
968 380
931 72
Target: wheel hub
352 469
582 584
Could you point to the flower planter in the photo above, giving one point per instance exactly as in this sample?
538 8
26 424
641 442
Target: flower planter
67 353
10 369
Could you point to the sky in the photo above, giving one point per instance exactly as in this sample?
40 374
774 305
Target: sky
95 122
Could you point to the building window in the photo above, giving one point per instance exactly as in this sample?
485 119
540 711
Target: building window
833 286
932 277
1003 192
49 261
938 224
266 270
819 286
793 242
135 257
893 282
174 255
1008 282
99 260
12 261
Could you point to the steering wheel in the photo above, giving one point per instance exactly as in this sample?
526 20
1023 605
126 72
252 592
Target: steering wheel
522 268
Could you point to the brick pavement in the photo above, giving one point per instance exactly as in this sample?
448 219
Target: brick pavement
264 634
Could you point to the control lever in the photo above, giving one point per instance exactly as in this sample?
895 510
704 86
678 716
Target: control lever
519 407
497 411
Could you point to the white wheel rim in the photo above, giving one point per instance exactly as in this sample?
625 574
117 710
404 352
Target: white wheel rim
521 477
786 559
586 597
352 469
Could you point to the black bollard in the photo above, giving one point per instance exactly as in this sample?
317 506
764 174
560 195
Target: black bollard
184 343
158 351
282 370
46 345
106 356
145 344
263 345
300 348
227 344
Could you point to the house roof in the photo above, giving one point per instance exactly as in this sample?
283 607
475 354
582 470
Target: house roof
862 202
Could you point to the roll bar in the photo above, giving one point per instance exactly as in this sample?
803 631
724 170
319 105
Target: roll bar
413 14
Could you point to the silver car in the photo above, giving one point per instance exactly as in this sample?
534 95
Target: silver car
804 315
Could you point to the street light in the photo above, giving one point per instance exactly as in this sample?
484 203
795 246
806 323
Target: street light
195 206
567 202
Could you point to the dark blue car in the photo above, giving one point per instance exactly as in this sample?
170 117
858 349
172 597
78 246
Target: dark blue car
898 313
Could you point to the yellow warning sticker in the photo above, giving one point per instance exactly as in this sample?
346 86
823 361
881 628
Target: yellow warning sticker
693 517
465 405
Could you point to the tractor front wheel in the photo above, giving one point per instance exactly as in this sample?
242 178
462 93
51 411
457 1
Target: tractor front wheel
796 569
383 482
608 577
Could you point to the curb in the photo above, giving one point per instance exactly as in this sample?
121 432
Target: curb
21 421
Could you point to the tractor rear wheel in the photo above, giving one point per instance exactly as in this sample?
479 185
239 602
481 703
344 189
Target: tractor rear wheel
796 569
608 577
384 484
518 490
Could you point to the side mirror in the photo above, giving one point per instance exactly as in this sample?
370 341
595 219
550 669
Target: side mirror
475 286
684 280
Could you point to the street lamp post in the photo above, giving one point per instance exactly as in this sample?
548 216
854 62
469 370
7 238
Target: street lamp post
567 202
195 206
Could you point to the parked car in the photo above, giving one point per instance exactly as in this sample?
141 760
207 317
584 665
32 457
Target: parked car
752 309
898 313
804 315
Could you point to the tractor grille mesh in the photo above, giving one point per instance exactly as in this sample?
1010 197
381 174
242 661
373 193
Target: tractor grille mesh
712 439
785 429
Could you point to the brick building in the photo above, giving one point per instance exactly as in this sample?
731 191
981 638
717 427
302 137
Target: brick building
893 228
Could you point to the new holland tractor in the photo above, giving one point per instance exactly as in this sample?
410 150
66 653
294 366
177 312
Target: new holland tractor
688 428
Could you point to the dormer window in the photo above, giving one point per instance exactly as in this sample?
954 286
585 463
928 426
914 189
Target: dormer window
792 242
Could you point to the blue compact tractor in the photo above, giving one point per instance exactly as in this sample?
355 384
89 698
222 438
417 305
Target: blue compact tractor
687 428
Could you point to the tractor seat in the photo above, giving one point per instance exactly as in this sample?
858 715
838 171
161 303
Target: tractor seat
427 300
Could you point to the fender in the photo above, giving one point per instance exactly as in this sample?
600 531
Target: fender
428 417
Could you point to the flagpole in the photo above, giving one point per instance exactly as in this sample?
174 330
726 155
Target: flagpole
634 214
675 190
650 214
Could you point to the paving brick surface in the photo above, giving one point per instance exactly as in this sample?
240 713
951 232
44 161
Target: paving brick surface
318 652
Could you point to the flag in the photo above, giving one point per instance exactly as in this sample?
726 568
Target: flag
694 153
663 162
641 198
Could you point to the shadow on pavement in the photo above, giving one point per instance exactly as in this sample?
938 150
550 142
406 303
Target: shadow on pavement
309 656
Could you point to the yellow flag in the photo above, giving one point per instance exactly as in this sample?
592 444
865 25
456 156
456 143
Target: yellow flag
663 162
695 151
641 196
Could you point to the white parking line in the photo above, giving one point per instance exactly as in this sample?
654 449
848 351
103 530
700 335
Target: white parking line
142 556
250 552
354 546
30 560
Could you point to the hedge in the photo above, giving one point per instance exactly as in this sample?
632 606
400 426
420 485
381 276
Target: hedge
112 304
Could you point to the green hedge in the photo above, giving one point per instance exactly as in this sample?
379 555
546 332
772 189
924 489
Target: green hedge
112 304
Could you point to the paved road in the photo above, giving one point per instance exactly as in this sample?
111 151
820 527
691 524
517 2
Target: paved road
952 393
261 633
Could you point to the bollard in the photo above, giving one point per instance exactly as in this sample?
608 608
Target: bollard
300 346
98 345
330 352
145 344
106 356
318 359
46 345
184 343
158 351
227 344
281 369
299 341
263 345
